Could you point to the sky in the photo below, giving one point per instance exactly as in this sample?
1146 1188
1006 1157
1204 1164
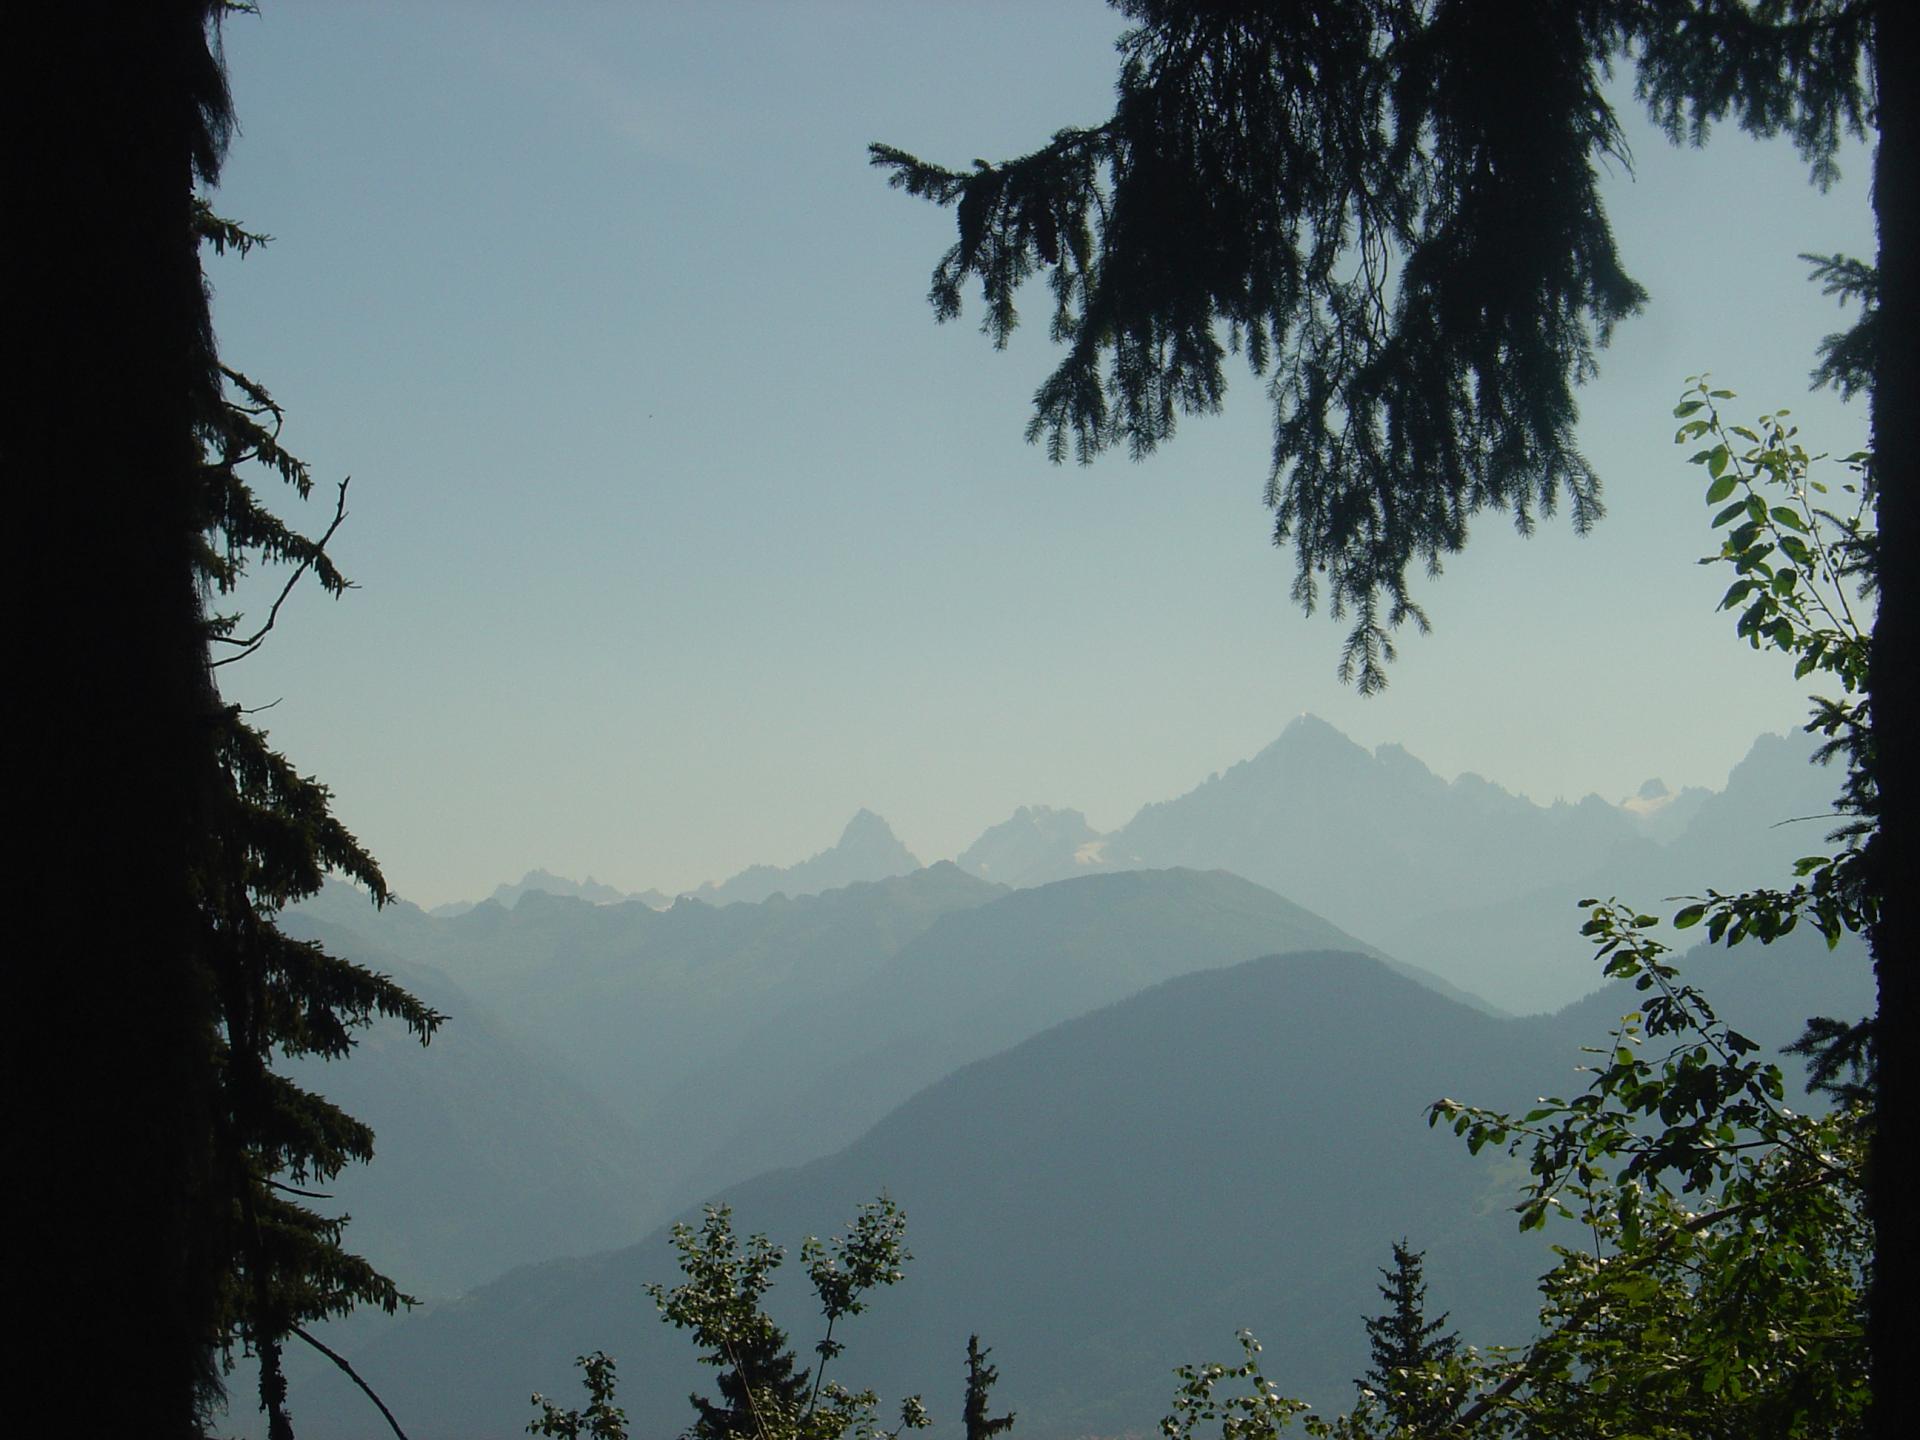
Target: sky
682 531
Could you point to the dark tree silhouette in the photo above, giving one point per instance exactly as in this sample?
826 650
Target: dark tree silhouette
1389 208
1401 1340
165 1161
980 1382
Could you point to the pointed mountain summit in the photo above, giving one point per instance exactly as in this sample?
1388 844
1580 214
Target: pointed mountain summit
867 850
1364 836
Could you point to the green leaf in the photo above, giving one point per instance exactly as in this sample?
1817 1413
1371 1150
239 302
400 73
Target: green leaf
1723 486
1688 917
1789 518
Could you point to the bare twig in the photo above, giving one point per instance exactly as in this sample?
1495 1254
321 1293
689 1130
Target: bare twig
253 642
353 1375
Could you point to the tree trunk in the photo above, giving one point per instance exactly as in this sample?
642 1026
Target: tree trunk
1893 1323
122 1230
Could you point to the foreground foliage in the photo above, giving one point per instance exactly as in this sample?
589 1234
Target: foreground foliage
764 1393
1718 1285
1397 227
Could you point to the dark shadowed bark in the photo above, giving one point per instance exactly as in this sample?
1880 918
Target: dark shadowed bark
117 108
1894 1318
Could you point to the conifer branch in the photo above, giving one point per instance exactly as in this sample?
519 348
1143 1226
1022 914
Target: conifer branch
253 642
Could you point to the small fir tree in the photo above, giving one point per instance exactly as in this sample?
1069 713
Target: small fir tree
1407 1346
980 1379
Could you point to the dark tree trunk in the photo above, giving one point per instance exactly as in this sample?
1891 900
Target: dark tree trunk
1893 1322
121 1230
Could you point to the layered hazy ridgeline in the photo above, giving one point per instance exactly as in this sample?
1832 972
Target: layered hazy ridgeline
1129 1104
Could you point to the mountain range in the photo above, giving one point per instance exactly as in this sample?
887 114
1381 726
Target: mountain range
1474 882
1131 1103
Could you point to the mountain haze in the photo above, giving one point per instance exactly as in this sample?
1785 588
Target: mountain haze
1475 883
1234 1147
1119 1194
813 1077
490 1155
866 850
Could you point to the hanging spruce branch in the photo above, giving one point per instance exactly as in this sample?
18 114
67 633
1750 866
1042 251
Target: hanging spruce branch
274 841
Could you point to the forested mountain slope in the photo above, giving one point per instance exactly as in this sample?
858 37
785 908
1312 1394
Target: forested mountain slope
1119 1194
813 1077
1234 1147
488 1155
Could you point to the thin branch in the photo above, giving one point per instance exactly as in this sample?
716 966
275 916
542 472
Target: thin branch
1805 819
824 1348
253 642
295 1190
753 1407
353 1375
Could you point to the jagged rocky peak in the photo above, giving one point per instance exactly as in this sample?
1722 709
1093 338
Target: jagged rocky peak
1036 845
1312 744
866 850
867 833
545 882
1400 764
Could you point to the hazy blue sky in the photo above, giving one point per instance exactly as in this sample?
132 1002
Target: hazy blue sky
683 531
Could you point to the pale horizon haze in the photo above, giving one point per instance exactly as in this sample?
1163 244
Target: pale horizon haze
682 531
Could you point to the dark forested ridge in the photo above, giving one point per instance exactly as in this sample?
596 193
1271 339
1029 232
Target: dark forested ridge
1116 1195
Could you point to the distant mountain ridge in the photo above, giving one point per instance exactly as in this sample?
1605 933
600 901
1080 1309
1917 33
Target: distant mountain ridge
741 1037
1463 876
813 1076
866 850
705 1043
545 882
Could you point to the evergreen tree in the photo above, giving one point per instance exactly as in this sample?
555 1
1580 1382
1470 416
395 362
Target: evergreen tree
169 1162
761 1378
1390 208
980 1382
1404 1343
